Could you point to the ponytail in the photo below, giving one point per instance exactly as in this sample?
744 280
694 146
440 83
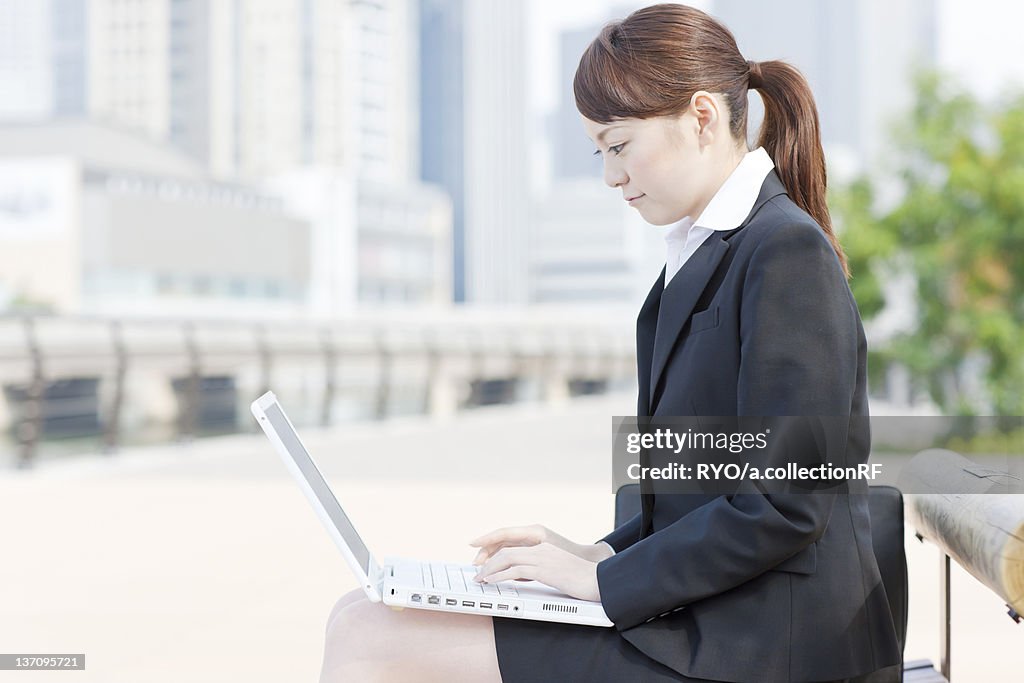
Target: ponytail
791 136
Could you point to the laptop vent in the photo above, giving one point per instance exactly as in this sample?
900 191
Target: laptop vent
548 607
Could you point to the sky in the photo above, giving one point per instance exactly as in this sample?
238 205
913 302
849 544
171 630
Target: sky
979 40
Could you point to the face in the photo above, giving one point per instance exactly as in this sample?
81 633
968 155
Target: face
673 164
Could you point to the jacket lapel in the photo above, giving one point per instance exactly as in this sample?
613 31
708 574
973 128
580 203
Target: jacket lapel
646 325
646 329
678 300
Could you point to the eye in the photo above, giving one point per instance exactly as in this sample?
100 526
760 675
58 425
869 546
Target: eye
616 149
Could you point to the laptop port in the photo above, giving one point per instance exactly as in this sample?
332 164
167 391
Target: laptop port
451 601
468 603
486 605
434 600
501 606
416 597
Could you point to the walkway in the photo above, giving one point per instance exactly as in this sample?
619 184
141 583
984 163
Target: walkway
205 563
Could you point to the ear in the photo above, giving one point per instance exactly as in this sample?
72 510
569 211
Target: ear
705 109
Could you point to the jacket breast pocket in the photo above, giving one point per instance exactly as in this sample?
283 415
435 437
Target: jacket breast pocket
804 562
704 320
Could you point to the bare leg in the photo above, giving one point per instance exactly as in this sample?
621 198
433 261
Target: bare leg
345 600
371 642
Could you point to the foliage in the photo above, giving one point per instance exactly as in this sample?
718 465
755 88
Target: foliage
1010 443
958 228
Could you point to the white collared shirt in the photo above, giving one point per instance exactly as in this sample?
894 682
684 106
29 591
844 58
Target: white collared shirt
726 210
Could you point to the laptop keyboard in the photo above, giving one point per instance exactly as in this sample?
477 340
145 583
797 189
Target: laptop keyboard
459 578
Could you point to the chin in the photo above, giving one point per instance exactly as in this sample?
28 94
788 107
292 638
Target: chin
659 221
653 216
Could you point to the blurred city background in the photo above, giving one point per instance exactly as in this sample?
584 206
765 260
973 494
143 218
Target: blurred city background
388 212
201 200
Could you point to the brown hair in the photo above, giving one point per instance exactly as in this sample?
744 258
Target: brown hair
650 64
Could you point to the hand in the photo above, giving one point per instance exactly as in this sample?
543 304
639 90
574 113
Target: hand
534 534
546 563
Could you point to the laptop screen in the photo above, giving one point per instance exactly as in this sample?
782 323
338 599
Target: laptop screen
327 500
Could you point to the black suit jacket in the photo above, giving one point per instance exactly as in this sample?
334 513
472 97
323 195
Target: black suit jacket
766 588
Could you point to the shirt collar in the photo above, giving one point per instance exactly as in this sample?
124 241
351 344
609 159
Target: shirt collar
734 199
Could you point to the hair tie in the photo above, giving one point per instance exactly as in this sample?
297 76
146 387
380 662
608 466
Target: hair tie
754 79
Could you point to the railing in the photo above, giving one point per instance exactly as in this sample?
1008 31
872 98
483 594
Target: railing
974 515
106 378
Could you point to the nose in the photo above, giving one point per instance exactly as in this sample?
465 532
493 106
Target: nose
614 175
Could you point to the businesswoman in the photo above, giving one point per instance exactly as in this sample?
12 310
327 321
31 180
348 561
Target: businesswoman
752 316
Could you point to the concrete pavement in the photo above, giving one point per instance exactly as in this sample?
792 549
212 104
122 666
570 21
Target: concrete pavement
205 563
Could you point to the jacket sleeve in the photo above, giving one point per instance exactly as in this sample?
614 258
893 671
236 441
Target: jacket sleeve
798 357
625 535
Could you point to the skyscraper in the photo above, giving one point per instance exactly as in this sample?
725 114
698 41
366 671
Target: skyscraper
473 113
442 123
26 60
70 57
496 165
571 150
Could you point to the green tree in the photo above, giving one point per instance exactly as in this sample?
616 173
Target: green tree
958 228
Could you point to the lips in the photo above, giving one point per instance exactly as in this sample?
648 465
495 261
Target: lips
629 199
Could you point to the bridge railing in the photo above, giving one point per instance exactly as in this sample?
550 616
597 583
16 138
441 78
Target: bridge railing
115 378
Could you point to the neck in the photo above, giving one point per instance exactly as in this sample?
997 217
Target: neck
728 165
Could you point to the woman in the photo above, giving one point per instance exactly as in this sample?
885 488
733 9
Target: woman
751 316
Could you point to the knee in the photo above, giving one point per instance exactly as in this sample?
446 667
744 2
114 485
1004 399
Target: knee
353 641
354 624
346 600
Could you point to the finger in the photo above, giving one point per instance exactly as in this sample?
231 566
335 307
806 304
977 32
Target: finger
485 554
513 533
524 572
488 551
533 555
505 558
491 537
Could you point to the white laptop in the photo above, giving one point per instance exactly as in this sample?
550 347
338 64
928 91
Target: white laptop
442 586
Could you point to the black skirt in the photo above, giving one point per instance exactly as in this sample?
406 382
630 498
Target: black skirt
542 652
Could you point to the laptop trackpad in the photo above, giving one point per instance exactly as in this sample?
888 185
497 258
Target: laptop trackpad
405 574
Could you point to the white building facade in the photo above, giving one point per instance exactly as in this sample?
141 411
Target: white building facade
94 220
